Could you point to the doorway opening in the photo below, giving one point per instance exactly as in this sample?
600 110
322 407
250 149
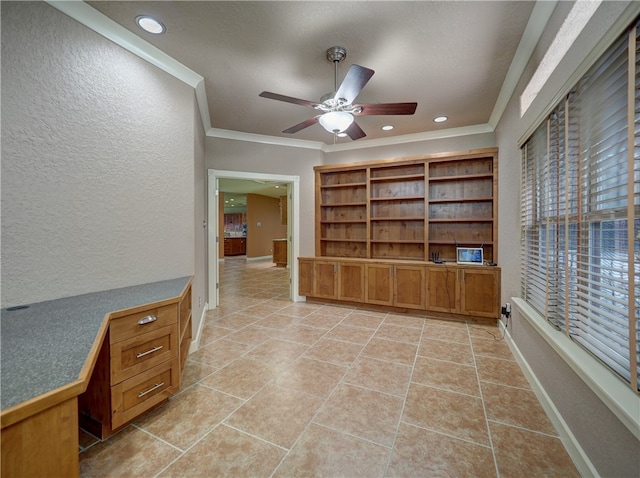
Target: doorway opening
215 236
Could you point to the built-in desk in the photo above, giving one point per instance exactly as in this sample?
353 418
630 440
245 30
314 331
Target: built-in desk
48 352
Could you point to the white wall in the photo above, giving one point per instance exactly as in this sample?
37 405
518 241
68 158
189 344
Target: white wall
97 162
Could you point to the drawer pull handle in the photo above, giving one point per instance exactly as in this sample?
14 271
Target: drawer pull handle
154 349
155 387
147 320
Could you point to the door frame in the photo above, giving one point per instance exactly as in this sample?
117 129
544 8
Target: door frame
214 235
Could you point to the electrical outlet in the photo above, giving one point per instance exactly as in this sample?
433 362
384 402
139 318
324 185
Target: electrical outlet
200 301
506 310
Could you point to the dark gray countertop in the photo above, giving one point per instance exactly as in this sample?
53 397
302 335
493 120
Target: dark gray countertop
45 346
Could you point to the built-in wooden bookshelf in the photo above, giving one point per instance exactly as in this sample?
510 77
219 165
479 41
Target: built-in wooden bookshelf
397 211
408 208
462 205
341 200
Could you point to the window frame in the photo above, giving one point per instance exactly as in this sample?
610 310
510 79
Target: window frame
537 219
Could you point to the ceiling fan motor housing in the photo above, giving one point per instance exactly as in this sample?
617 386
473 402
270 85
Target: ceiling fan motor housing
336 54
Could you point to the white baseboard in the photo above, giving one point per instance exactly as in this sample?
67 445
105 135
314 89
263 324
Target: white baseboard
194 343
261 258
577 454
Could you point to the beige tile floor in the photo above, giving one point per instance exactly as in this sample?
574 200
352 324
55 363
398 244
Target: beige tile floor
282 389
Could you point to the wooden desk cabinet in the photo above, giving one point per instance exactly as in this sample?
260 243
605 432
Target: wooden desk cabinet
395 285
138 367
332 279
450 290
134 363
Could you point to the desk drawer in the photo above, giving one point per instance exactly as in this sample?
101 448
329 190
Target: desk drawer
142 322
142 352
133 397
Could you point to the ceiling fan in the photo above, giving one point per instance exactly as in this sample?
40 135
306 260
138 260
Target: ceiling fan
338 109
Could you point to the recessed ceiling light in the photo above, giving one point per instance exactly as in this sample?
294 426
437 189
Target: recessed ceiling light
440 119
150 24
387 127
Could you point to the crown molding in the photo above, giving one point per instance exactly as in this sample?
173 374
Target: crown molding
360 144
263 139
410 138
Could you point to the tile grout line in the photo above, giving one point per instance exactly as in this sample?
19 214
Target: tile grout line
328 396
404 401
484 408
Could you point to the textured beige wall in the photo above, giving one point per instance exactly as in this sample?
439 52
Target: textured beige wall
97 162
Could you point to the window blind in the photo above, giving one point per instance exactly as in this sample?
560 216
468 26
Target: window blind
580 210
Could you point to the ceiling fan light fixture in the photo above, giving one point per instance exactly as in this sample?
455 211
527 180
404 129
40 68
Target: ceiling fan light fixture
336 121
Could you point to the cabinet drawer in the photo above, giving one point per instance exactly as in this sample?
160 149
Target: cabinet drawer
142 322
137 354
142 392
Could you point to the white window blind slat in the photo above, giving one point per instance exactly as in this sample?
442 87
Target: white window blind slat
575 214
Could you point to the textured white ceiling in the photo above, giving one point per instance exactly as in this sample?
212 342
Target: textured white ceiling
450 57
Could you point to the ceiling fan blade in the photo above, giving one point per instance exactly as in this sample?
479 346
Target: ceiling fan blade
352 85
303 125
387 109
354 131
288 99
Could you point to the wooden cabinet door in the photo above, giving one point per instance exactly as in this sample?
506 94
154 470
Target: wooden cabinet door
480 292
280 256
242 246
351 281
379 279
326 279
442 289
409 287
305 277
